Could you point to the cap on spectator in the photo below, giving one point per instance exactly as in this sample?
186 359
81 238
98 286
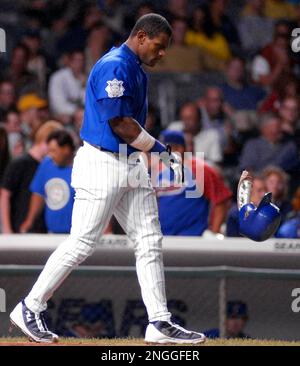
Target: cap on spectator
172 137
237 309
28 101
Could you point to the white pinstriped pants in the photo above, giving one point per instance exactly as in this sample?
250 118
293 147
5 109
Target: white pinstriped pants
98 179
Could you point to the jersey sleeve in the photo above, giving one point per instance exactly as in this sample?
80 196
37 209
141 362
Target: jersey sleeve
114 90
37 184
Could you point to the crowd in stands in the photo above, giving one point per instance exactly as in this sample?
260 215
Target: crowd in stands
251 120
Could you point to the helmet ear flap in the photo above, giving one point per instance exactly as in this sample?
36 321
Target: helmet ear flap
267 198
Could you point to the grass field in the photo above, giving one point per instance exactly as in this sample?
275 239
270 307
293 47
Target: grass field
22 341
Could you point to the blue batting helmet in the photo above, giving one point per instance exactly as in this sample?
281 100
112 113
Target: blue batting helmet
261 222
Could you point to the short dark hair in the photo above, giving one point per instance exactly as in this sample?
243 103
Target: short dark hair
152 24
73 51
8 112
62 137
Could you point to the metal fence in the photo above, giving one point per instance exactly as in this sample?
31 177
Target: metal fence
99 301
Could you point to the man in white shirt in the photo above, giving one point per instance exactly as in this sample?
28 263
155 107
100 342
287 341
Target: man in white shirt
67 87
205 140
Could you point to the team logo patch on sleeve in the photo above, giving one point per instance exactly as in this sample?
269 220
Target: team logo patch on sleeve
115 88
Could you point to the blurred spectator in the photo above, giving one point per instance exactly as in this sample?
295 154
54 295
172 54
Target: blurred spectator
51 186
4 159
274 62
177 9
214 111
143 8
183 215
16 142
23 80
15 194
51 37
236 321
31 108
181 57
12 121
152 124
221 23
75 125
255 29
37 63
245 123
296 22
97 44
4 152
291 227
215 115
204 140
278 9
236 91
208 39
90 320
269 148
276 181
113 14
289 116
285 87
67 87
77 31
257 193
7 97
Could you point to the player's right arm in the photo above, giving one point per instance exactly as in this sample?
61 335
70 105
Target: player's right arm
136 136
117 106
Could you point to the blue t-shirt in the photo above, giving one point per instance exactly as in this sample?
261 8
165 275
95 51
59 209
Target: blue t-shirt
116 87
179 215
54 184
245 98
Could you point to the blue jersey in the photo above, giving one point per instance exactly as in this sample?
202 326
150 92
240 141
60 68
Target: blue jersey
116 87
53 183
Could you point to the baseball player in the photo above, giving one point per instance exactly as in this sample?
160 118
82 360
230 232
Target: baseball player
115 113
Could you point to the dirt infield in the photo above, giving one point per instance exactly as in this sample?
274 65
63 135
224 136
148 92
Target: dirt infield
22 341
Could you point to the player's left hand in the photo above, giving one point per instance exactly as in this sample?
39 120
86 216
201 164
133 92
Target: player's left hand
174 161
177 167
